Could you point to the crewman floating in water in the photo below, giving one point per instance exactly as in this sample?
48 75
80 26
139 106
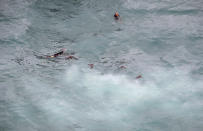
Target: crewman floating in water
57 54
116 16
71 57
138 77
91 66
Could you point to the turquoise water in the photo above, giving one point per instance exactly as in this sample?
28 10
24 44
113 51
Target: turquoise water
160 40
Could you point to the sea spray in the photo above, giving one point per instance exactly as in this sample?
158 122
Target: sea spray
163 100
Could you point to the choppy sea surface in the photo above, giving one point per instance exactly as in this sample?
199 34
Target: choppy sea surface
161 40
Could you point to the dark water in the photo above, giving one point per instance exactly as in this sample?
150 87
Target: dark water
162 40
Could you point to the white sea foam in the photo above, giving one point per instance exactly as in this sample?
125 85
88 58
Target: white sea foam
166 96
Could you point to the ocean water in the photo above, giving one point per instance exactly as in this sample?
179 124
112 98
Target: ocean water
161 40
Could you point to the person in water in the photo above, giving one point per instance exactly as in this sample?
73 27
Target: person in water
116 16
71 57
57 54
138 77
91 66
